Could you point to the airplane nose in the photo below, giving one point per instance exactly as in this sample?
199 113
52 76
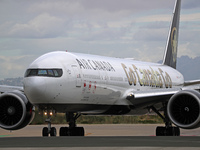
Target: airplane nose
34 89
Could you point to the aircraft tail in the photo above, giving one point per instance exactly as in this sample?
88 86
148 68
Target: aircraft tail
170 56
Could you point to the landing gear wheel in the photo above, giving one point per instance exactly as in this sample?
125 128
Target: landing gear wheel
64 131
76 131
80 131
170 131
72 130
53 131
45 131
160 131
177 131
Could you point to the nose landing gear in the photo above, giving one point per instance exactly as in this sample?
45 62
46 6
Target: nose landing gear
49 130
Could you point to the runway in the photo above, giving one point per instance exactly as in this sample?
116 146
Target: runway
108 141
116 136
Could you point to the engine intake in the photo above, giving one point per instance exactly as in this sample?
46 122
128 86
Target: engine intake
184 109
15 111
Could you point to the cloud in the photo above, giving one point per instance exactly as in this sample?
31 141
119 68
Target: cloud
42 26
13 66
191 4
190 17
116 28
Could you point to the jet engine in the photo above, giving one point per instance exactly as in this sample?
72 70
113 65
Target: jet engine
184 109
15 111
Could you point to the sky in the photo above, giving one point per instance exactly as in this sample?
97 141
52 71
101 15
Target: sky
116 28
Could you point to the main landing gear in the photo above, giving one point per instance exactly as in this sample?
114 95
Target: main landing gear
168 130
72 130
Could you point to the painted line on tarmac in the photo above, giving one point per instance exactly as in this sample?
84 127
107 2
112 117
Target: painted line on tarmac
4 135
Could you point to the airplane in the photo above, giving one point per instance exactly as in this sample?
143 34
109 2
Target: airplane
83 84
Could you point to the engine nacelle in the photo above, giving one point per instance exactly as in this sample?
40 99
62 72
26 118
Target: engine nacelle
15 111
184 109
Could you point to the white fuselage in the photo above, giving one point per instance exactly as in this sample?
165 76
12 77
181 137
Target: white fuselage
89 81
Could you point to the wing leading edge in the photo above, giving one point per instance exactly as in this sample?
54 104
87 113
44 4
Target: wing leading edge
150 97
191 82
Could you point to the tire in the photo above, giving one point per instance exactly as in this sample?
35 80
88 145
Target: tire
80 131
160 131
171 131
61 132
45 131
64 131
53 131
77 131
72 132
177 131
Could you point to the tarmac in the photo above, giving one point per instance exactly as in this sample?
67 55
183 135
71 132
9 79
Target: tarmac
105 136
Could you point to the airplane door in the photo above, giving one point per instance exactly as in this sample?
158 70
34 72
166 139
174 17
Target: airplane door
77 74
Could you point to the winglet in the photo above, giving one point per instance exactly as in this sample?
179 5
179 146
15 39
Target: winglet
170 56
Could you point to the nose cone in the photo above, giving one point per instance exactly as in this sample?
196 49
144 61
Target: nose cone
34 88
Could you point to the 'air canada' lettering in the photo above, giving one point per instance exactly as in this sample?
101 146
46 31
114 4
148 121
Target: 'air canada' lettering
95 65
147 77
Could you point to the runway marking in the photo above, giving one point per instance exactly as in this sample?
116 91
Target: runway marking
4 135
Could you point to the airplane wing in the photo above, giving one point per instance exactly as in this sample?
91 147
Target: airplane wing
192 82
138 98
5 88
150 96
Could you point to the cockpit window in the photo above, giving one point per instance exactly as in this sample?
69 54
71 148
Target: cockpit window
44 72
50 72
